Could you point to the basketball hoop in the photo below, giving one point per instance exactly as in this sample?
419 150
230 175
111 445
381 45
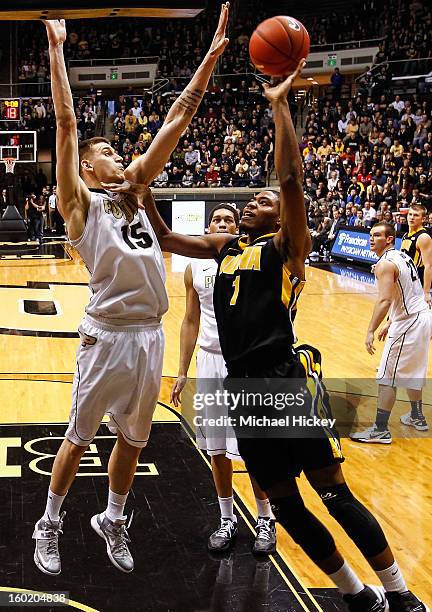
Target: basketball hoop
9 162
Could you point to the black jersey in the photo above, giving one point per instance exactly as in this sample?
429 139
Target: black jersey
409 246
255 298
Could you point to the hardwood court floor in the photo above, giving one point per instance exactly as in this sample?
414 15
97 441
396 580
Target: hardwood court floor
334 310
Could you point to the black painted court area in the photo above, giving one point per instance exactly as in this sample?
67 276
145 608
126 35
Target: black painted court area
175 509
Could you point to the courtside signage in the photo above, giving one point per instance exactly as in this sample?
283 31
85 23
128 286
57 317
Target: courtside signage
353 245
188 217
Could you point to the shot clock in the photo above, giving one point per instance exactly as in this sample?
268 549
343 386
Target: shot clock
10 109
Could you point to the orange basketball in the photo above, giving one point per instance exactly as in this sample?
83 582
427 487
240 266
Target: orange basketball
278 44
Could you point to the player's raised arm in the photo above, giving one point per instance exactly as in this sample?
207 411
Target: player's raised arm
293 239
202 247
73 197
148 166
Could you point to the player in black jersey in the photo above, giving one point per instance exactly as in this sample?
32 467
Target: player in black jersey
259 279
417 243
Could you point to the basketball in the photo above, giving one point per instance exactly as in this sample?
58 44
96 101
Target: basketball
278 44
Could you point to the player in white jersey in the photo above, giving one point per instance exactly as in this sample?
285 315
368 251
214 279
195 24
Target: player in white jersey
219 443
408 332
119 361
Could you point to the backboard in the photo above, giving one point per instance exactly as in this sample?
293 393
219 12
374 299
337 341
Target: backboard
21 145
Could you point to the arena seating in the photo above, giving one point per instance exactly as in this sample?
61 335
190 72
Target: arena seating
230 141
368 160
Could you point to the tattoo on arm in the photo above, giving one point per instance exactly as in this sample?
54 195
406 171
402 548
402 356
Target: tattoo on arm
190 99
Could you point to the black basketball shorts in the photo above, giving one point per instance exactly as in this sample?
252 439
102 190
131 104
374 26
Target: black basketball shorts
273 460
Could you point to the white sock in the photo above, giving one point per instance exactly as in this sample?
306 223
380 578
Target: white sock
53 505
226 505
116 505
264 508
347 581
392 579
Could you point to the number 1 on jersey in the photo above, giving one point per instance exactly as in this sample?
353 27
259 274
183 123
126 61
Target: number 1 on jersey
236 285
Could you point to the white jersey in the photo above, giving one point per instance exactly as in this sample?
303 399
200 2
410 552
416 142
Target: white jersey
203 279
408 297
125 262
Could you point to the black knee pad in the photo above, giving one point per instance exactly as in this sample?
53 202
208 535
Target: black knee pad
361 526
304 528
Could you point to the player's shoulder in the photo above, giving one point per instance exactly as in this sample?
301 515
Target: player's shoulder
389 260
423 237
230 244
387 269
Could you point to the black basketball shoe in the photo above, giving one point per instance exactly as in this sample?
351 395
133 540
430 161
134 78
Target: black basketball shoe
405 602
371 599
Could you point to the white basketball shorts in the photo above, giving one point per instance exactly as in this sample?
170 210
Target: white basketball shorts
118 373
215 440
404 361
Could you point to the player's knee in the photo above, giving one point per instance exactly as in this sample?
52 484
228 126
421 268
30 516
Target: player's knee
126 447
357 521
72 450
303 527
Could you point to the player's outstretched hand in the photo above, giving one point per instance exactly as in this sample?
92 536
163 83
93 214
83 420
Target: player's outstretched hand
178 387
280 91
369 342
139 190
428 299
56 30
220 41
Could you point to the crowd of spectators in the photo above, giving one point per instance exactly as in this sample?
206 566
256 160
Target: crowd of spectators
37 114
41 213
372 141
228 143
40 210
406 48
180 44
365 161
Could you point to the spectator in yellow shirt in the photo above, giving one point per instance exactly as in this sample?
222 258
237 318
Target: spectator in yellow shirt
145 137
309 150
131 122
142 119
339 146
325 149
397 149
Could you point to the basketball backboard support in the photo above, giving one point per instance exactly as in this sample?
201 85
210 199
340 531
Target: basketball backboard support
61 9
19 145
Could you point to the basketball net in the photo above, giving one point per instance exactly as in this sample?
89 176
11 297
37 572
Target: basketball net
9 162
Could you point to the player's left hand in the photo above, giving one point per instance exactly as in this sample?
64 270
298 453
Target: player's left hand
138 191
280 91
428 299
220 41
56 31
178 387
369 342
382 334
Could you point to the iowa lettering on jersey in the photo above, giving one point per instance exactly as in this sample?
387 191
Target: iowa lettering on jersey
250 259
